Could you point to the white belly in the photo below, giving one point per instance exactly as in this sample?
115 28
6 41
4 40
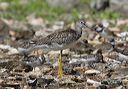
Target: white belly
104 34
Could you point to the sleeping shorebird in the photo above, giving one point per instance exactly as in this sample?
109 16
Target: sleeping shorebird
106 47
34 61
82 46
97 57
59 40
89 59
25 47
122 53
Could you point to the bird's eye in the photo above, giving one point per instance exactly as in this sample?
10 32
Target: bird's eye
82 22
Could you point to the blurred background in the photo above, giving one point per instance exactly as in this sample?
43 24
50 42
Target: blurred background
23 18
63 9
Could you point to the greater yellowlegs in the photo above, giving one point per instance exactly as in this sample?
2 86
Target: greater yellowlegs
60 40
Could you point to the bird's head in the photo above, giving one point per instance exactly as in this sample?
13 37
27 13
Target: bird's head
99 28
81 24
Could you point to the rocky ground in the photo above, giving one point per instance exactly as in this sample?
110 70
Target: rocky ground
90 64
81 69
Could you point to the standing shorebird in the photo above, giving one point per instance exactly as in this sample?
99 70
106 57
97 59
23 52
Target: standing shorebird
104 32
59 40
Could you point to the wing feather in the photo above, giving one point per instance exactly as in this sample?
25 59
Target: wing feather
62 37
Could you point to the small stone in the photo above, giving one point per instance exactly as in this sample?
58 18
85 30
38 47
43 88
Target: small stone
58 25
115 29
1 81
105 23
66 80
4 5
35 21
46 69
43 32
92 71
78 79
126 76
102 87
125 81
46 79
95 83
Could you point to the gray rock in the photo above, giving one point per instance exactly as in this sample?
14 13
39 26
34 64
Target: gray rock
119 5
99 4
115 5
92 71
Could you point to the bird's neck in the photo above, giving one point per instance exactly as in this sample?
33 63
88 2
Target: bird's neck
78 30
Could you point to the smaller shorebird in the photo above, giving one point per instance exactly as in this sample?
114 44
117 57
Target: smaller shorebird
122 54
25 47
82 46
104 31
58 40
90 59
106 46
97 56
34 61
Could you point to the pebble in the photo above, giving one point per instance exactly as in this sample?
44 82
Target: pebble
92 71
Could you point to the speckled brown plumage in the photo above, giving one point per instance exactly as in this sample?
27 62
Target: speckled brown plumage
58 40
61 37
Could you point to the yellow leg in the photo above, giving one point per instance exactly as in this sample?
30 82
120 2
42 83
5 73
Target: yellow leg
60 71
